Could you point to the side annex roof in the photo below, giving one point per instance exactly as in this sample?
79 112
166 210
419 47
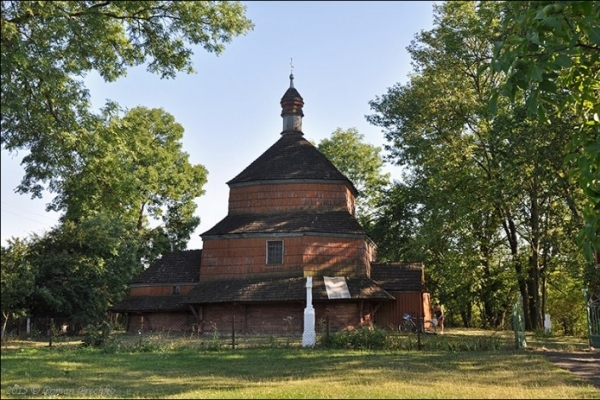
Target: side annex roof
279 290
175 267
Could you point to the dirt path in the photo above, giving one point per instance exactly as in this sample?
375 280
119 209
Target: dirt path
585 364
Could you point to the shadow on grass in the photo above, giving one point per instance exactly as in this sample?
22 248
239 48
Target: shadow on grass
205 373
291 372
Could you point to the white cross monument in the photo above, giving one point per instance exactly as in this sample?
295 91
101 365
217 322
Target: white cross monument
309 337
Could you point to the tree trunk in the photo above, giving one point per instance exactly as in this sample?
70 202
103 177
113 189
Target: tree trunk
467 317
534 260
530 302
5 315
488 308
511 233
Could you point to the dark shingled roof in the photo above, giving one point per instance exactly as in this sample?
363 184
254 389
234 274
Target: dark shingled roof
398 277
175 267
150 303
278 290
291 157
340 222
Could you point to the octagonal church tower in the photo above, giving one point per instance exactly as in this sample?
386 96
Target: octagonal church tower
291 214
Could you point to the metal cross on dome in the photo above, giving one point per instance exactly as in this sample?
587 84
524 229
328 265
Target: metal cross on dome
291 72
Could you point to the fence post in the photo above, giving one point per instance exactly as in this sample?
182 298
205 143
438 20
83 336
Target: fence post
420 321
51 331
327 329
233 332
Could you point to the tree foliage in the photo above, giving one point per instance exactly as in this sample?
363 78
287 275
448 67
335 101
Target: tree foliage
83 268
550 53
18 276
128 172
48 47
133 167
123 183
362 163
486 199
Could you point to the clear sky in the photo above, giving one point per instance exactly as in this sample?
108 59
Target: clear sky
345 53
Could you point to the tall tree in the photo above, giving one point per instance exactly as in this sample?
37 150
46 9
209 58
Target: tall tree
485 186
128 196
49 46
362 163
112 175
550 53
133 167
83 268
397 223
18 277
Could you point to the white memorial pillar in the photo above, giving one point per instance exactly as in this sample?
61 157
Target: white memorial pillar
547 323
309 337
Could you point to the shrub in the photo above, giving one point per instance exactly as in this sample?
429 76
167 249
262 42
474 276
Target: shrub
97 335
359 339
542 334
215 340
464 344
146 346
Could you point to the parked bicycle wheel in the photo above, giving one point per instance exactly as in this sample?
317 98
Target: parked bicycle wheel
407 326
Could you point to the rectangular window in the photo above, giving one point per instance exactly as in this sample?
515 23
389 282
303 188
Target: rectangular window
176 289
274 252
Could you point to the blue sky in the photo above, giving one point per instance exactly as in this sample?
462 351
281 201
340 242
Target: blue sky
344 55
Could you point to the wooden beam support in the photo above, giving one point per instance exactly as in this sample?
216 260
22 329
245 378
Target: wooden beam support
198 314
244 310
377 307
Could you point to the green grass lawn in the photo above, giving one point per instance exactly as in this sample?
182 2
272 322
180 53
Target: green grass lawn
181 368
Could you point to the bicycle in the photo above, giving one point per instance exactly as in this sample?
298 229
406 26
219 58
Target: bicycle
410 324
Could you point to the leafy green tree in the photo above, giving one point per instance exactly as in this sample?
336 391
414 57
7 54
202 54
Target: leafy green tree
482 187
133 167
18 276
362 163
49 46
436 126
125 186
83 268
397 223
550 53
127 196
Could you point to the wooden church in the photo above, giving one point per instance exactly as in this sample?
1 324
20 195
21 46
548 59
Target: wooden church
291 215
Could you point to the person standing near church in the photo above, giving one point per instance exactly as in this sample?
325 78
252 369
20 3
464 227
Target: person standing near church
439 315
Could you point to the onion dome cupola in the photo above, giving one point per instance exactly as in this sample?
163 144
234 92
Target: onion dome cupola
292 158
291 109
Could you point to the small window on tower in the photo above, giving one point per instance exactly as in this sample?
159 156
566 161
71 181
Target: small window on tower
176 289
274 251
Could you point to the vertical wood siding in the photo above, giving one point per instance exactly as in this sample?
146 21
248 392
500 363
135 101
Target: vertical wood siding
390 313
303 255
250 319
160 322
158 290
278 198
